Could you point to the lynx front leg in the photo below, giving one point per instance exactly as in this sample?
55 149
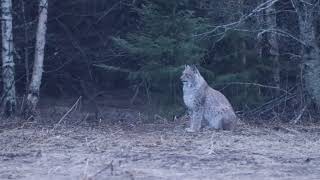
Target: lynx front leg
195 122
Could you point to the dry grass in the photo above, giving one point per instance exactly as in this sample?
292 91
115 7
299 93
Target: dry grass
160 151
82 147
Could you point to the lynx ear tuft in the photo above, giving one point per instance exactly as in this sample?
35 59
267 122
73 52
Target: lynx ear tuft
187 67
194 68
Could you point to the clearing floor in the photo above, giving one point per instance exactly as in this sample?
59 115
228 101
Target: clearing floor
159 151
87 149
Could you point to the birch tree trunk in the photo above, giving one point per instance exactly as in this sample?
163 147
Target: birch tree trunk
9 93
34 87
307 12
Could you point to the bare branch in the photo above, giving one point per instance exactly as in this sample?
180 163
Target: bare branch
232 25
281 33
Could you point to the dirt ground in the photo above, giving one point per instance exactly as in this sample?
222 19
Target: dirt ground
159 150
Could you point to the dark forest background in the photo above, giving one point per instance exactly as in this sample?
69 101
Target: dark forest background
142 45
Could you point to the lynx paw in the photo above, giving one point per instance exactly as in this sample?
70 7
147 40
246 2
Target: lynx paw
190 130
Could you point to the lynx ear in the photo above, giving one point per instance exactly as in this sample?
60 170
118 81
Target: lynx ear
194 69
187 66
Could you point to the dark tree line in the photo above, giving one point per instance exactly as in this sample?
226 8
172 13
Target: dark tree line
264 55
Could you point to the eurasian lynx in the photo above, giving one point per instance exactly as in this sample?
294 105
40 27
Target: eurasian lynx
205 103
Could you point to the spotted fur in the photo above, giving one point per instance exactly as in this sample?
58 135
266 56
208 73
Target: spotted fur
205 103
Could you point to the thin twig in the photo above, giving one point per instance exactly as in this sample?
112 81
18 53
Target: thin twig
135 93
68 112
297 119
255 84
110 165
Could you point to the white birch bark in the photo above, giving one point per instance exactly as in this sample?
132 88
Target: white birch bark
34 87
9 94
307 12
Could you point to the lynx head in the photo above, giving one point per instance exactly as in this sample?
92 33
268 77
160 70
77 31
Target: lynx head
191 77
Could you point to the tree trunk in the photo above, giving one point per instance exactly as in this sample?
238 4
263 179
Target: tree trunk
311 59
34 87
310 51
9 93
243 52
267 45
26 48
272 39
262 38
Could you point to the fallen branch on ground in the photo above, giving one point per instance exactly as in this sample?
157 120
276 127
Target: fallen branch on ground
68 112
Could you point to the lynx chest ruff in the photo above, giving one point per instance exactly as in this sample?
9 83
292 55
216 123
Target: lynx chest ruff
189 98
